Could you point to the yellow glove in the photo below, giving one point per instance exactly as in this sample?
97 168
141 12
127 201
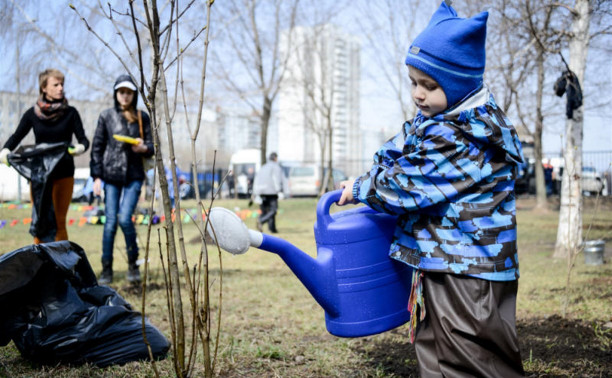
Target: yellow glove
76 150
4 156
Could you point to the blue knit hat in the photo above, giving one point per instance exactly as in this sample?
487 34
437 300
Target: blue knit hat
452 51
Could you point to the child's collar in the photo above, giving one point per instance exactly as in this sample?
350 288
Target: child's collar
477 99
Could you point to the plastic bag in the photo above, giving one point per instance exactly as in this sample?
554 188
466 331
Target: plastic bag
55 312
36 163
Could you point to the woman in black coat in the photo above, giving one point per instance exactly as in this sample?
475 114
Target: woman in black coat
119 163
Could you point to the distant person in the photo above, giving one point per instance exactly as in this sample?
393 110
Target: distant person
53 121
184 187
244 182
548 177
89 194
170 186
120 165
231 184
269 182
250 181
150 184
448 176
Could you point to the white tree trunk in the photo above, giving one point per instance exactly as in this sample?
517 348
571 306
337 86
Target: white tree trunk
569 232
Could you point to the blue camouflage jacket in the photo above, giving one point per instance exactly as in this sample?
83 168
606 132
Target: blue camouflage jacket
450 181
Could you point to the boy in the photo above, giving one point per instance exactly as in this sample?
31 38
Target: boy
449 177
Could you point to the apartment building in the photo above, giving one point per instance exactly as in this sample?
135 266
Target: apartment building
320 95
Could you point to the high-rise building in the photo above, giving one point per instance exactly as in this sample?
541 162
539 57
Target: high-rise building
240 129
237 129
319 95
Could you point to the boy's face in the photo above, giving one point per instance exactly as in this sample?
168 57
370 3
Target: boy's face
426 93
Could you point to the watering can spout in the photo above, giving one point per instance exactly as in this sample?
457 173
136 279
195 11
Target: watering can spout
317 275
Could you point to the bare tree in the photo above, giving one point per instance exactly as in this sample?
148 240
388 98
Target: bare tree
314 73
166 48
46 38
389 26
569 233
548 41
590 20
520 44
251 65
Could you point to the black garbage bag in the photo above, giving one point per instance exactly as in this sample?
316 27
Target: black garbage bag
36 163
55 312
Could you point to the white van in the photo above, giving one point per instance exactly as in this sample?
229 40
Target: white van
244 164
13 186
305 180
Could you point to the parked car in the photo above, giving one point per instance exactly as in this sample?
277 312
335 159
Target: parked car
592 182
305 180
10 183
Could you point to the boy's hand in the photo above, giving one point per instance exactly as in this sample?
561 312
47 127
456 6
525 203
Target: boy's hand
347 193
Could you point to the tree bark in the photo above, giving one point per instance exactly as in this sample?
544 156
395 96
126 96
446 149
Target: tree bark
569 233
537 135
265 124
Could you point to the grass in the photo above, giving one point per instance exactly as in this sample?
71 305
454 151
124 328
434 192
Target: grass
271 326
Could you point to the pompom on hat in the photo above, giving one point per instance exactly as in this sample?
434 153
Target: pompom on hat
452 51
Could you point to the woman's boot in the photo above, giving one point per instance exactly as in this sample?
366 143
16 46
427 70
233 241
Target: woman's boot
133 274
107 272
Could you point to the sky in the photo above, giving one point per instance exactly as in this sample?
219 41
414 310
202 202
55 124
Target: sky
377 109
597 128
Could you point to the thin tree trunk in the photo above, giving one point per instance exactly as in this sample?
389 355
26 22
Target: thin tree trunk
265 124
173 268
537 135
323 139
329 182
18 82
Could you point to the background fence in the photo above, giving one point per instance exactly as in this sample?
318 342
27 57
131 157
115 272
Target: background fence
598 163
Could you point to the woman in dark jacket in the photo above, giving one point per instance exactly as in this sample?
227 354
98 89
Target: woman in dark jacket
120 165
53 121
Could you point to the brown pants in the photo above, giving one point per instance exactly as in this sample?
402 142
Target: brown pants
469 329
61 196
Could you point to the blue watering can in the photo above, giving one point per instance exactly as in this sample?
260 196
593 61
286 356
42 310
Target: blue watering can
362 290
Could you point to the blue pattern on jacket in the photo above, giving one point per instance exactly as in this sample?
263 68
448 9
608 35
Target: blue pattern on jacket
450 181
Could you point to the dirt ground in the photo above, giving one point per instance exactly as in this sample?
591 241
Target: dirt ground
577 349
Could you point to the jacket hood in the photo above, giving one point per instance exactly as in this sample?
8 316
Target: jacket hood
121 79
486 123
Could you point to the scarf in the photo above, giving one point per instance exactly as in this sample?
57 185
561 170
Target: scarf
50 111
416 299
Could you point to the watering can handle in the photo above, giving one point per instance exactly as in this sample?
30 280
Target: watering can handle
324 204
